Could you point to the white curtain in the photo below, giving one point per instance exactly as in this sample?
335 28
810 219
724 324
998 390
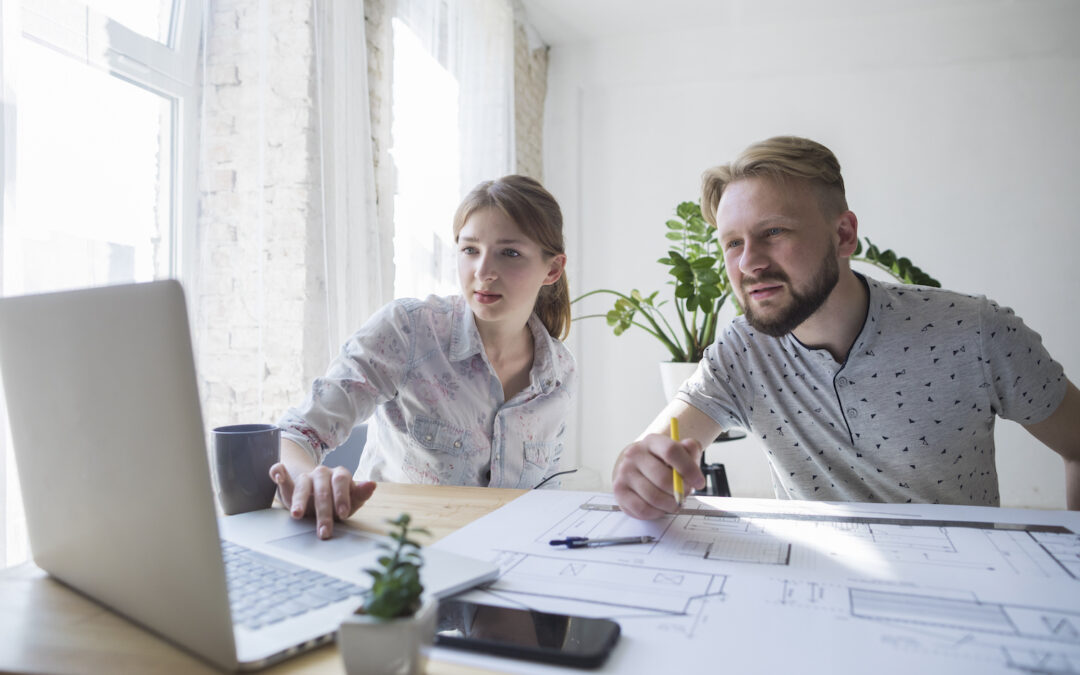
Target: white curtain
482 57
453 126
359 266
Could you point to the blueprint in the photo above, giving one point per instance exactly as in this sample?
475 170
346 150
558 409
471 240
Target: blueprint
771 585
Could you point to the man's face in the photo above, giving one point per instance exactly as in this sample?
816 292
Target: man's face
779 249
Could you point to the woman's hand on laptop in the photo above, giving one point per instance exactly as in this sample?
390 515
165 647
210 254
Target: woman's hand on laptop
323 492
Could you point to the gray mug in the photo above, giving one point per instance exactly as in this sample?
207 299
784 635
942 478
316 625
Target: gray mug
243 455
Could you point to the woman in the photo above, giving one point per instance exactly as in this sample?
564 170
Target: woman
465 390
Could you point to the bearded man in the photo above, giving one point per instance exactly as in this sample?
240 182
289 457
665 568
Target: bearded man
859 390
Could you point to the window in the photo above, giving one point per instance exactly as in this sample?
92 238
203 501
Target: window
452 126
425 152
99 140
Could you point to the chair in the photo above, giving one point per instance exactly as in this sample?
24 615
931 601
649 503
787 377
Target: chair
716 483
348 453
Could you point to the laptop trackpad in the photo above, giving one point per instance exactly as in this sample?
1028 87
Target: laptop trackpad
342 546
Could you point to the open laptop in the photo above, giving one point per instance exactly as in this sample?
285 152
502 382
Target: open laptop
108 435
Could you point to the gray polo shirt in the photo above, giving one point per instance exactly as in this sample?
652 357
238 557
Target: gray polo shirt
908 417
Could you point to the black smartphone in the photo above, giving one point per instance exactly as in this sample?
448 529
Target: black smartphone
525 634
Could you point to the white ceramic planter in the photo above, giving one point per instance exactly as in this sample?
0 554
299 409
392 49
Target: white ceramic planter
372 646
673 374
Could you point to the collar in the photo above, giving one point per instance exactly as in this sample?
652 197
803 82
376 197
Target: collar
546 373
870 326
464 337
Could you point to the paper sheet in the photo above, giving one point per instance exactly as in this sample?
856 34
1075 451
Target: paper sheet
786 585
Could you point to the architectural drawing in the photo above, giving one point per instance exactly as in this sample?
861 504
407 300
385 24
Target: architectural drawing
936 594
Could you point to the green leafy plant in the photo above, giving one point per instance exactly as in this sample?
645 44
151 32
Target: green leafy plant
701 287
396 588
898 266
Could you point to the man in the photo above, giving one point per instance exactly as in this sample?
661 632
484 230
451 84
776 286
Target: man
858 390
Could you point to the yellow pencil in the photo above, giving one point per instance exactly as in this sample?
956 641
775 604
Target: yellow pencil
676 479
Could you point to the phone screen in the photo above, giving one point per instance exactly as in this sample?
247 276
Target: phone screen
526 634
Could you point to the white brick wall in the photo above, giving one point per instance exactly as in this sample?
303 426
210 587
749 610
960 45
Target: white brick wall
259 226
530 88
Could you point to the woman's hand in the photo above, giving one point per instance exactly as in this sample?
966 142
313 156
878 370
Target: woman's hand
327 493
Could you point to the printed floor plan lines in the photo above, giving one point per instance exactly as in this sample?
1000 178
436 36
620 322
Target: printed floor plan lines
881 541
879 588
650 588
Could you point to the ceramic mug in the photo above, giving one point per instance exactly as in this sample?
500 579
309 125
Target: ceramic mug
243 455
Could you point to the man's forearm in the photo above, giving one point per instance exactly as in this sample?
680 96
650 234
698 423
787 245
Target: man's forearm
1061 433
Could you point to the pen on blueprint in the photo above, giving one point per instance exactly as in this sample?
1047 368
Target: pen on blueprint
585 542
676 479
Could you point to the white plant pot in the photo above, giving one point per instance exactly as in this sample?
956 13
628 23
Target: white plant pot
372 646
673 374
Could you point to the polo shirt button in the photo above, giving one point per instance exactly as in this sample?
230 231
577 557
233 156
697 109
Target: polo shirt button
852 412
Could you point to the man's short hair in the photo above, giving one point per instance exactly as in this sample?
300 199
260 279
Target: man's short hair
780 158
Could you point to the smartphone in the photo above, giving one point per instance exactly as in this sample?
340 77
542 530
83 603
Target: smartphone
525 634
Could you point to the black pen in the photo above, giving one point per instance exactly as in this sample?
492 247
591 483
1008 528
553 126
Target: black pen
585 542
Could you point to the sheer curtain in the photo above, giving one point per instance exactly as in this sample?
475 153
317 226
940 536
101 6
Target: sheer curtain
453 126
292 255
358 247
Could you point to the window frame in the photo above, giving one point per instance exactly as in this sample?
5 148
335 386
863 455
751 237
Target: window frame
169 70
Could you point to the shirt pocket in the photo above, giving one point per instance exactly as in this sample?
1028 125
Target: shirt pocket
540 458
439 436
542 453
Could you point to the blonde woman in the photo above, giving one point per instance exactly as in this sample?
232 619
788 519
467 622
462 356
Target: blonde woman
469 389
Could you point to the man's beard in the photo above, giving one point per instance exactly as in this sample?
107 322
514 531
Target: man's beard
803 303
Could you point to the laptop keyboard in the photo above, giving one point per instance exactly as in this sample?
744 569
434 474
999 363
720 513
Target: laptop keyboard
264 590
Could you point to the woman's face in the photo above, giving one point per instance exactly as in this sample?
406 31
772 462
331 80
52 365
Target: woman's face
501 270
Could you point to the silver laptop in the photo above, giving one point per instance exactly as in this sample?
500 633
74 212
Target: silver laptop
108 436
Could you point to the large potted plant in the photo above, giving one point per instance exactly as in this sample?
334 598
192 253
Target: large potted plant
386 634
700 287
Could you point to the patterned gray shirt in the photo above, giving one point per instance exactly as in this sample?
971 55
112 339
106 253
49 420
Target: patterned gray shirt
908 417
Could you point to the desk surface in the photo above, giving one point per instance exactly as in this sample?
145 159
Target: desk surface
46 627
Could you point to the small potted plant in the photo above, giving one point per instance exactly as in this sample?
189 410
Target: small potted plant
385 635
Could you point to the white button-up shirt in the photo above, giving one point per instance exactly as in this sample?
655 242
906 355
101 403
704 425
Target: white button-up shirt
440 417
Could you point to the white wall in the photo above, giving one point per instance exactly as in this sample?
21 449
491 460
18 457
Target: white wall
957 128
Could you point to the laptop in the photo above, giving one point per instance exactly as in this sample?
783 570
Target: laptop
108 435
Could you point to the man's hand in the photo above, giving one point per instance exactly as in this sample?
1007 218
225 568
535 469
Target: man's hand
642 477
327 493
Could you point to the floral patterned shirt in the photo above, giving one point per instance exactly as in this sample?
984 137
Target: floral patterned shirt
439 413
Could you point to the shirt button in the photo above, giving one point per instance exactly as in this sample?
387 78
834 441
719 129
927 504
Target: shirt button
428 438
457 444
852 412
842 381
